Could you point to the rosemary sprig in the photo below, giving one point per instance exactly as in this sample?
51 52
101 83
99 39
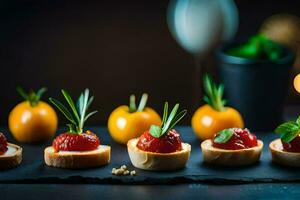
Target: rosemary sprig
32 97
78 114
289 130
132 105
214 94
168 122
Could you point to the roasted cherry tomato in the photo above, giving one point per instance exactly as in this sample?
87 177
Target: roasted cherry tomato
234 139
32 121
127 122
214 116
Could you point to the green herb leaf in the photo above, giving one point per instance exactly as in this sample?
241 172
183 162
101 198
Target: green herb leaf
72 128
258 47
288 130
90 114
89 102
287 127
71 104
170 118
78 114
177 118
79 103
288 137
155 131
298 121
165 114
223 136
63 110
168 122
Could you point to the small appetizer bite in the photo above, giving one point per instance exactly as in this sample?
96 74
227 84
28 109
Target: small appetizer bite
127 122
232 147
75 148
32 121
10 154
286 150
214 116
161 147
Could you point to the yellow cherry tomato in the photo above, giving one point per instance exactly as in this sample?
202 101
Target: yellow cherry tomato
213 117
206 121
32 121
124 124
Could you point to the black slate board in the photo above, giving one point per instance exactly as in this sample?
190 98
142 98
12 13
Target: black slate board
33 169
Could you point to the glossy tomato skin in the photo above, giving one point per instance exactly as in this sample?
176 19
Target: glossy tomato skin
32 124
76 142
3 144
293 146
241 139
207 121
169 143
123 125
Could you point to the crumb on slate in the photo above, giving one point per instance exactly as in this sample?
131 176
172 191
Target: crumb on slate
123 171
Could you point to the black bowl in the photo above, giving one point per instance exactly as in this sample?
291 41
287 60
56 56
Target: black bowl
256 88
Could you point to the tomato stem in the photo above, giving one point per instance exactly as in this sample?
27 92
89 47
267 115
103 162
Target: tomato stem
214 94
142 104
32 97
132 105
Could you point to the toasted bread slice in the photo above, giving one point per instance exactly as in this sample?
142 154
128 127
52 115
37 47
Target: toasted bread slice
157 161
12 157
241 157
283 157
77 159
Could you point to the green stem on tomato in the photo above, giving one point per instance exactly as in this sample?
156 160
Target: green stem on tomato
214 94
132 105
32 97
142 104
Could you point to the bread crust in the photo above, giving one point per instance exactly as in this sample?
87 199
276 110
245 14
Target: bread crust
282 157
13 160
157 161
222 157
78 160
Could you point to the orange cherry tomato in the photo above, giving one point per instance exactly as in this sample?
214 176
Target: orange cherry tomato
32 121
207 121
124 125
32 124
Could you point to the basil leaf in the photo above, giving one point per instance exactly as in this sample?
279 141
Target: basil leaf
288 137
155 131
287 127
223 136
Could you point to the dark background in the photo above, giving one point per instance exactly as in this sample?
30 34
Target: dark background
115 48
